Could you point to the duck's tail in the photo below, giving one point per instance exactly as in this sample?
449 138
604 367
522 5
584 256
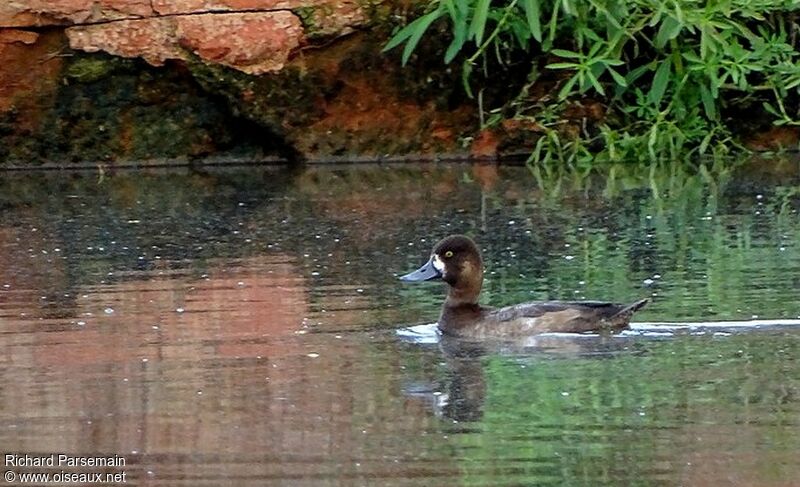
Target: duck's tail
623 316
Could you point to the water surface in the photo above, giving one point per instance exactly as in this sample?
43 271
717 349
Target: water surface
237 327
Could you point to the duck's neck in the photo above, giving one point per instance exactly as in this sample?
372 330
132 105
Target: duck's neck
465 294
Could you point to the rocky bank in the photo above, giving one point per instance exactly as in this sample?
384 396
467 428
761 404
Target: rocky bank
122 80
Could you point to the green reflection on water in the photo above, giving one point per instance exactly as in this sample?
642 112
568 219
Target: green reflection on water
640 417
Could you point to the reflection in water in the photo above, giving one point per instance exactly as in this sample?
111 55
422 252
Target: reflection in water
225 329
465 382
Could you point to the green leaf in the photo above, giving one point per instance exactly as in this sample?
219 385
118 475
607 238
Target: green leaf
566 90
704 144
595 82
459 35
670 28
745 32
618 78
595 47
454 48
660 82
715 82
709 105
692 57
532 13
566 54
706 43
771 110
466 71
568 9
551 30
613 24
563 66
793 82
398 38
520 31
451 9
479 20
656 18
420 26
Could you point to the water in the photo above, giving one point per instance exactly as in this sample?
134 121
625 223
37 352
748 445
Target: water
239 327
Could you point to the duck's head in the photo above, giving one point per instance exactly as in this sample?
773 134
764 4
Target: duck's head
457 261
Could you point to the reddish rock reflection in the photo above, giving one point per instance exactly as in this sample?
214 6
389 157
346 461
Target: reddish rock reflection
211 379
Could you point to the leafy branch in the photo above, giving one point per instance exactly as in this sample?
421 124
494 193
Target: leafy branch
669 69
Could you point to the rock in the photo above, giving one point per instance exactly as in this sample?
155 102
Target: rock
255 43
240 84
29 80
320 17
254 36
12 36
336 17
39 13
485 145
28 68
773 138
151 39
182 7
13 54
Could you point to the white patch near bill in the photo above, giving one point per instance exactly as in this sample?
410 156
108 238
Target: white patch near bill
438 264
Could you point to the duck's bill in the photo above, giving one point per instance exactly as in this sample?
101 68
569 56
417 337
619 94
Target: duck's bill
425 273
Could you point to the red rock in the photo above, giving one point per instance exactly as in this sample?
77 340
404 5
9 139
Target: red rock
254 36
337 17
14 60
774 138
328 16
254 43
172 7
37 13
11 36
150 39
29 73
485 144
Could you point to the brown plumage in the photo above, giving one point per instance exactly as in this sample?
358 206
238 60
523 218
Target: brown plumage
457 261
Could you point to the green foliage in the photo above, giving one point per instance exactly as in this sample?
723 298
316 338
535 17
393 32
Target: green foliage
671 75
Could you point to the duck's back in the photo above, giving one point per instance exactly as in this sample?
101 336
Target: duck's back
535 318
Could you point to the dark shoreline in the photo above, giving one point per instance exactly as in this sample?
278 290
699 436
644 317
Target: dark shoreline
517 159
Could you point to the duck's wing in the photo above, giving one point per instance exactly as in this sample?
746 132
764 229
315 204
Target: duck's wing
565 316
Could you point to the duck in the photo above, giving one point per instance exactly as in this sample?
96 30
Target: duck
456 260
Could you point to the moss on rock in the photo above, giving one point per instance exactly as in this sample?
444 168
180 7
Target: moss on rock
91 68
109 109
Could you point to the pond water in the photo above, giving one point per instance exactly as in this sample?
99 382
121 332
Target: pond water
239 327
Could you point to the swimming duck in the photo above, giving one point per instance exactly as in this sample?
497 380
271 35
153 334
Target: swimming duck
457 261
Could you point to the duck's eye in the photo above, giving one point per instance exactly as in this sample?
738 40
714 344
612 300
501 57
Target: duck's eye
448 254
